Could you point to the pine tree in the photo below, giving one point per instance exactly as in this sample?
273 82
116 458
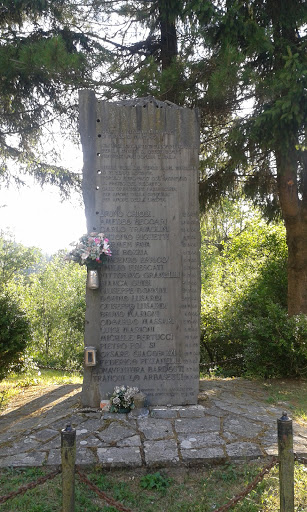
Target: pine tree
211 54
259 49
45 57
229 53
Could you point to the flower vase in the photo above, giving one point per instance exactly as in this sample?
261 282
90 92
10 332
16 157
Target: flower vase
123 410
92 279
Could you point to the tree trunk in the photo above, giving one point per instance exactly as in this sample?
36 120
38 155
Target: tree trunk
293 204
294 211
297 265
169 49
168 42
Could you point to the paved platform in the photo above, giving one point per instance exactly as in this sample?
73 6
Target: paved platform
232 421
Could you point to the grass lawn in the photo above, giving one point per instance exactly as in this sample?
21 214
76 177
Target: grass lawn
36 379
199 489
292 392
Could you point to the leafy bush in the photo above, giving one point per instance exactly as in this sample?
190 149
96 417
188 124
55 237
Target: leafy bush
15 334
245 325
155 481
276 346
54 299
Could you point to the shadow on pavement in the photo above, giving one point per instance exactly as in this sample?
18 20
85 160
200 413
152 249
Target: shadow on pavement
36 406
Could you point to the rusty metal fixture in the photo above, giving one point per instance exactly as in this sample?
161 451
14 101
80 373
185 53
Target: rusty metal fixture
31 485
249 488
301 460
100 493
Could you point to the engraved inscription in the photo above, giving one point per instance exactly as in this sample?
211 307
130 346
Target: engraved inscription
146 202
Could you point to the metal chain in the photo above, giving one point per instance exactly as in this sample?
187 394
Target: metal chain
249 488
302 460
101 494
30 485
121 508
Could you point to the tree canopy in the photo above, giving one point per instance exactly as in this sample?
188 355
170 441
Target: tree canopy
45 57
16 258
42 306
223 55
214 55
262 45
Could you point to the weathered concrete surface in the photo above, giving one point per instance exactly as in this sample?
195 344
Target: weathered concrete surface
232 421
140 188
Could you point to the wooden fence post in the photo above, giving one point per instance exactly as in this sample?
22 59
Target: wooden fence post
286 463
68 455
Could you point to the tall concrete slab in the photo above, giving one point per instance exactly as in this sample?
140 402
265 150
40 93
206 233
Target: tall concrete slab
140 188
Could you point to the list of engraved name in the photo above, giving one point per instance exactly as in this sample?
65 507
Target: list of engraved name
145 337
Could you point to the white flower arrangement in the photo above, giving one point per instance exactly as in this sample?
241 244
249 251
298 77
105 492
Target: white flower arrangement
90 250
122 398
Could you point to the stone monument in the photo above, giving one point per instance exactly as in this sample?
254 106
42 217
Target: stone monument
140 188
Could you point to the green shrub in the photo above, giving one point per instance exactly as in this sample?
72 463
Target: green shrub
245 325
155 481
15 334
54 299
276 346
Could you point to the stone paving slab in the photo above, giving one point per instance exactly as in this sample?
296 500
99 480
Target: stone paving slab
203 455
244 450
119 457
195 441
231 422
161 452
